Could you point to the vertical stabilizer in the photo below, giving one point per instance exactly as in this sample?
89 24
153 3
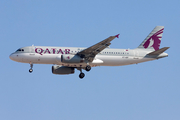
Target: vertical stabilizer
153 40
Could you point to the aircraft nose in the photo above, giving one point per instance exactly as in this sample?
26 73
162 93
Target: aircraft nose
12 56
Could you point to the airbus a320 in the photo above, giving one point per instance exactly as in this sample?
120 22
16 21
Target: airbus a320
66 59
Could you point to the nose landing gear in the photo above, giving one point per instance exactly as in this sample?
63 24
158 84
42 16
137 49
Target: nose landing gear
31 70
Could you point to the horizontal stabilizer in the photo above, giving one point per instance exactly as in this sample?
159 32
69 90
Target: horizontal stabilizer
158 52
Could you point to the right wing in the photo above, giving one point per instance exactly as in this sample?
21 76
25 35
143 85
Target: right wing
92 51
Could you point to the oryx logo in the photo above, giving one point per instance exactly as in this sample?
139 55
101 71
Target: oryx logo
154 41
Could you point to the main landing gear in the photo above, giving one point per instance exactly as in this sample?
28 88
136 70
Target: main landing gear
31 70
82 75
88 68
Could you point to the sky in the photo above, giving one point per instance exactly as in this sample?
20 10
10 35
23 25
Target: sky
146 91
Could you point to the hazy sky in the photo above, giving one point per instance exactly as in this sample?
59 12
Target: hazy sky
147 91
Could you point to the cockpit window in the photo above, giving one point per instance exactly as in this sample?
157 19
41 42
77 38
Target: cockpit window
20 50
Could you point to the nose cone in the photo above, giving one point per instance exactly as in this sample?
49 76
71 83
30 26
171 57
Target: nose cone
12 57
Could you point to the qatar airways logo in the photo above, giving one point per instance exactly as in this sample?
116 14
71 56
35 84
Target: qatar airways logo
154 41
52 51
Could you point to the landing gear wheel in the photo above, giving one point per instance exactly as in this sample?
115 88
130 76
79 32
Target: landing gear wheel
88 68
81 75
30 70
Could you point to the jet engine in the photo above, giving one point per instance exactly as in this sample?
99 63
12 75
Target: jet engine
71 59
62 70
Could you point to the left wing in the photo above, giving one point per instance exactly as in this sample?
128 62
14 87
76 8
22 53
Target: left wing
92 51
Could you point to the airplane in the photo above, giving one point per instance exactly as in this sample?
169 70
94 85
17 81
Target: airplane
66 59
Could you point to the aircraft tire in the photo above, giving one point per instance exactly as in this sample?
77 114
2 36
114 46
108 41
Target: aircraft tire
30 70
81 75
88 68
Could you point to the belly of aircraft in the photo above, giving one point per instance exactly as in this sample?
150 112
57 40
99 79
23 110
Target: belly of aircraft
99 60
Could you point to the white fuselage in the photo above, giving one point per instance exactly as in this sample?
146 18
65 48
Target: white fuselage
107 57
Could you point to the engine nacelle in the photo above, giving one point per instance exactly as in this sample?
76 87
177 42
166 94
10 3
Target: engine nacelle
62 70
71 59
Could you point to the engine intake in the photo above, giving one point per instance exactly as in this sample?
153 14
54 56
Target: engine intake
62 70
71 59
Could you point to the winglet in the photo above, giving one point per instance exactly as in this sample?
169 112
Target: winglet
117 35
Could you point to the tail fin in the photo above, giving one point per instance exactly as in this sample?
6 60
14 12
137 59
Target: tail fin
153 40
